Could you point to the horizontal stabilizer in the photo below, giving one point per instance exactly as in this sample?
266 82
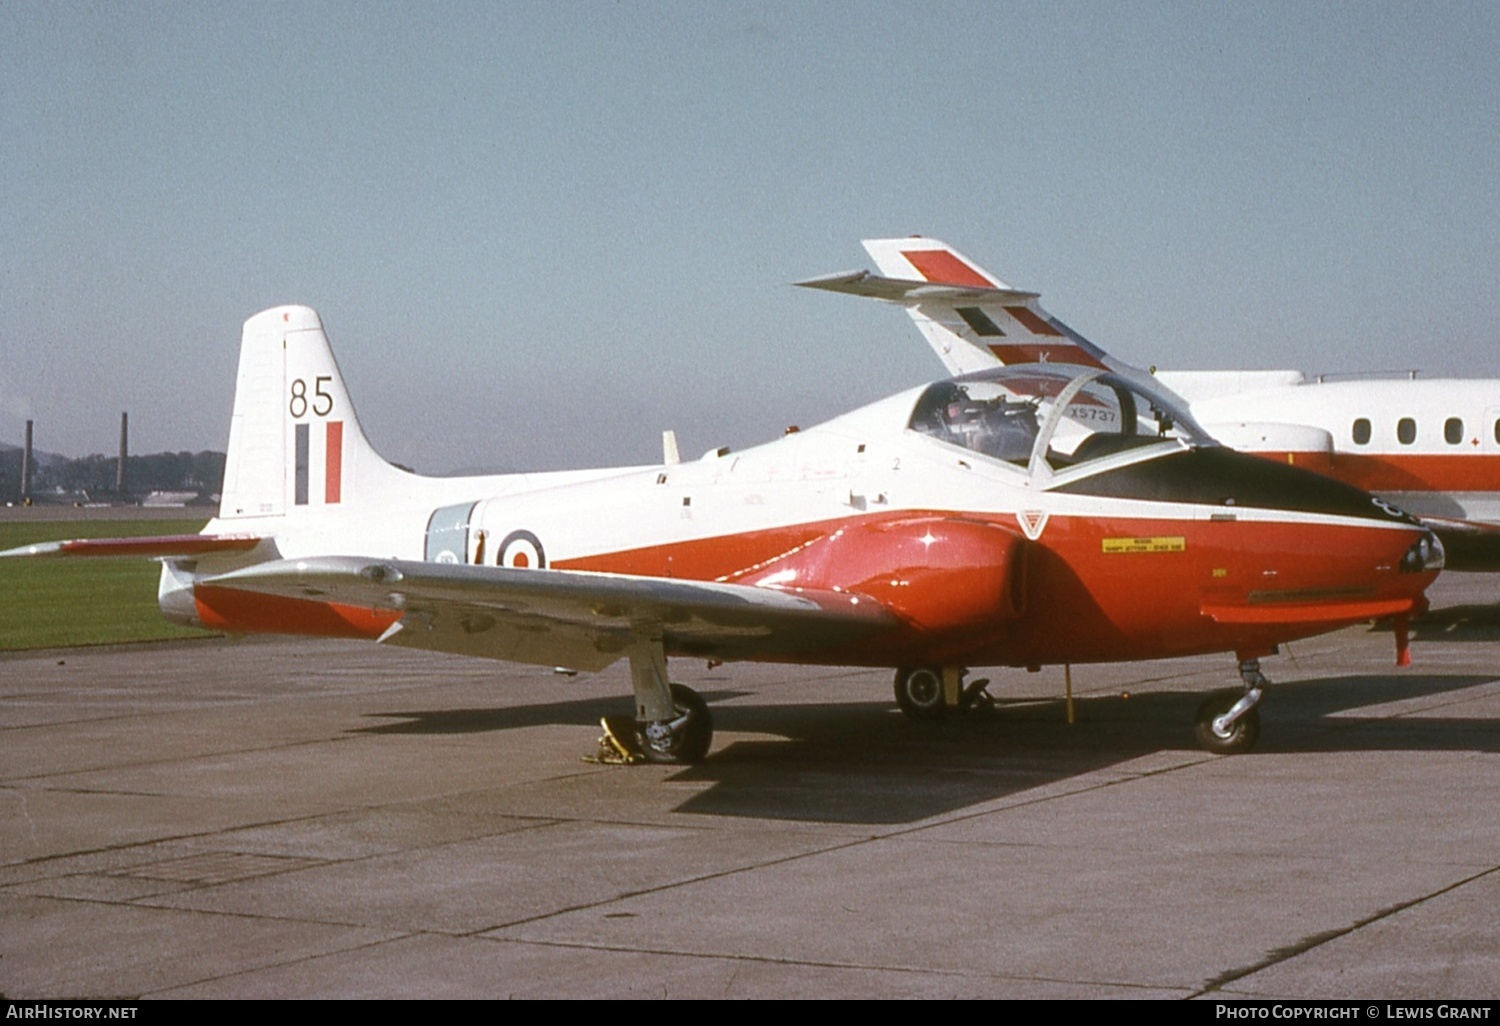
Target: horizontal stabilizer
159 547
906 290
972 320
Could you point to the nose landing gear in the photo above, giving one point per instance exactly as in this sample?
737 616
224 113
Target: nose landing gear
1229 724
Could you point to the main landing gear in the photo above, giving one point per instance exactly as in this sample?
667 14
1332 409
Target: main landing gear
1229 724
928 692
671 725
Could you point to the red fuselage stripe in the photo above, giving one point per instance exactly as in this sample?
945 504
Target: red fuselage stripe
243 612
163 545
1086 604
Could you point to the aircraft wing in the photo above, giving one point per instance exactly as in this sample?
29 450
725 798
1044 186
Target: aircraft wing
578 619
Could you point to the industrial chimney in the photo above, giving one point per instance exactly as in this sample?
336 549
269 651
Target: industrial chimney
124 452
26 465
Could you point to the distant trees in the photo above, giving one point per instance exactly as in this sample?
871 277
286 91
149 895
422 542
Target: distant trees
198 472
10 475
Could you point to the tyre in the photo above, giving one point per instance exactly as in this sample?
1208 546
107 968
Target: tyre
692 731
1237 739
919 692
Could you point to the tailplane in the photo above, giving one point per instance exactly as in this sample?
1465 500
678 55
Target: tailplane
295 444
972 319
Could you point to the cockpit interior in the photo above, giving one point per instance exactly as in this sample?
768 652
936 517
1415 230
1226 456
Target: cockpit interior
1051 418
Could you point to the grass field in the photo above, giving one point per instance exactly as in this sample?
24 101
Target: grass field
50 603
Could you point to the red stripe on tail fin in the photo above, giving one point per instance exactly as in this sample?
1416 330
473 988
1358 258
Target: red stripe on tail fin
333 472
939 265
1033 323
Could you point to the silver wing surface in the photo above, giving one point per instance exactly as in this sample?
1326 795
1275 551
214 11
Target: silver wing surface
578 619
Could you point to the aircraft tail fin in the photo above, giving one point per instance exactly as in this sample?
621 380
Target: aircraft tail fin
295 443
971 318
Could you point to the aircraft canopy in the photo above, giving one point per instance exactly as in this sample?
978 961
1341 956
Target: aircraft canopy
1050 418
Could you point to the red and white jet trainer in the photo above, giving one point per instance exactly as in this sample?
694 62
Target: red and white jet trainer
1429 446
1020 516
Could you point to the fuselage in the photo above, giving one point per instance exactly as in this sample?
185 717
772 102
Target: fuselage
1150 544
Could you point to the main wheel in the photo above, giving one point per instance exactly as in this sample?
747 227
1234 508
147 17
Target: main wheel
1238 739
919 692
689 733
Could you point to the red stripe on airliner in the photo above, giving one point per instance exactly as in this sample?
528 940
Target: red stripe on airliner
1064 353
333 467
1394 472
942 266
1030 321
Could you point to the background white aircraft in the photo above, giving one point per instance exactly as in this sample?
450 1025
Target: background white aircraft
1428 446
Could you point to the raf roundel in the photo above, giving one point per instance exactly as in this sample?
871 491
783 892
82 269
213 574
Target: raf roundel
524 550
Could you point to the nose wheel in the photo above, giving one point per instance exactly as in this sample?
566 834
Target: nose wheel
1230 724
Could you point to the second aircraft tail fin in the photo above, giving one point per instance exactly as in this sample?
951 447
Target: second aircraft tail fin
972 319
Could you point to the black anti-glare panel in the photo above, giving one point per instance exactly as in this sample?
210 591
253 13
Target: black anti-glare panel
1221 477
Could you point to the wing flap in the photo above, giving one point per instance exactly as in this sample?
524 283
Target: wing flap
564 617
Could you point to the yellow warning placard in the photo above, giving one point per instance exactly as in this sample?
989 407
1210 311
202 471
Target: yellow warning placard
1177 544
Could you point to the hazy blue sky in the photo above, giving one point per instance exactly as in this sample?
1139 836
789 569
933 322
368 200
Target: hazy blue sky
539 233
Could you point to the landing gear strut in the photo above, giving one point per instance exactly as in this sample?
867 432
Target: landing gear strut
671 724
1230 724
